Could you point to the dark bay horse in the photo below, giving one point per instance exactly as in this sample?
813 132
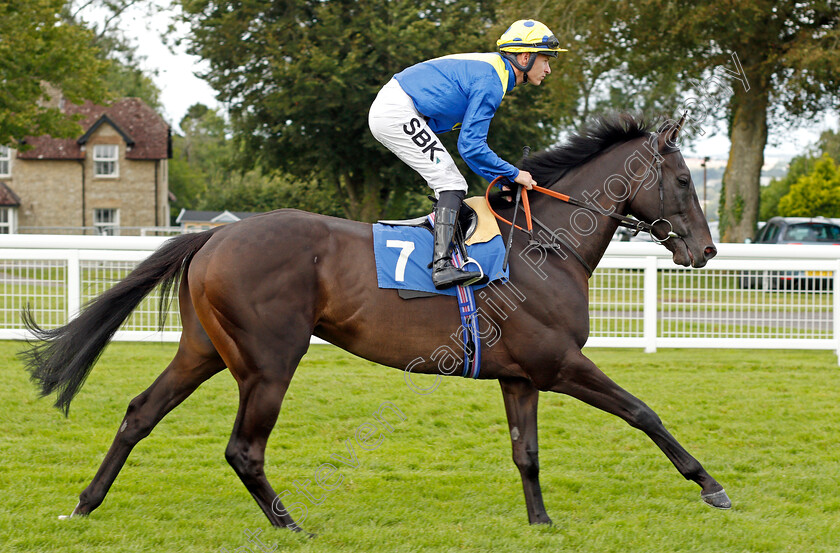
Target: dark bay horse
253 293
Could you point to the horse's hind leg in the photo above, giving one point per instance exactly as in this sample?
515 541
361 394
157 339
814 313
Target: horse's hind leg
521 407
195 362
262 387
183 375
585 381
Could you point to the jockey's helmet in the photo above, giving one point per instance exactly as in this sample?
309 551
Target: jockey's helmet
527 35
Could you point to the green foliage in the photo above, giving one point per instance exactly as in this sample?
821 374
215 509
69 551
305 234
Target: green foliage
738 211
777 188
669 56
201 158
255 191
124 76
300 77
600 72
768 206
815 193
203 174
41 52
443 480
126 79
828 144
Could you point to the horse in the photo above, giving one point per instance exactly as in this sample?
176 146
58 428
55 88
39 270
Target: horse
253 293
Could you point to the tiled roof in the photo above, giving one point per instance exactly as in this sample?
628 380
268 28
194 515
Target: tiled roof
7 196
133 119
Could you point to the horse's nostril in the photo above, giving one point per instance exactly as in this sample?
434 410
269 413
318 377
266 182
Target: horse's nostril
710 252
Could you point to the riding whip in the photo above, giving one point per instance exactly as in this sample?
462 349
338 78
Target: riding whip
525 151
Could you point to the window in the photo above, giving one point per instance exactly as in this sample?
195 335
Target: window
106 221
769 233
105 158
812 232
5 162
7 220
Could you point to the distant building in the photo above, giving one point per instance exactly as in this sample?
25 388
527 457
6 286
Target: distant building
114 175
9 204
197 221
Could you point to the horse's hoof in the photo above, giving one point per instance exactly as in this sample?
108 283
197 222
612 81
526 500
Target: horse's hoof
718 500
71 515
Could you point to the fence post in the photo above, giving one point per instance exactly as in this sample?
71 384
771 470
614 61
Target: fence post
835 309
74 284
650 305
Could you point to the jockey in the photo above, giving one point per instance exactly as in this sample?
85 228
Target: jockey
461 91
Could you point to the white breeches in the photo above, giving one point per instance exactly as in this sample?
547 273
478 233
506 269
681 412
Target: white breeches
396 123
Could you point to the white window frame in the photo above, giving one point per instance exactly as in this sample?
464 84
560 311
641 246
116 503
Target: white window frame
104 154
5 161
9 226
105 227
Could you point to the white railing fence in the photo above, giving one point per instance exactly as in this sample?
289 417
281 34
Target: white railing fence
749 296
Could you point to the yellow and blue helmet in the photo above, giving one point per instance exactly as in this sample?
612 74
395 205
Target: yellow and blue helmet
527 35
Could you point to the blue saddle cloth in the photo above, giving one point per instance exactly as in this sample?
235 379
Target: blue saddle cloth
403 254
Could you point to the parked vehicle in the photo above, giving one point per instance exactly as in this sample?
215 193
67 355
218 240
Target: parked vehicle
795 231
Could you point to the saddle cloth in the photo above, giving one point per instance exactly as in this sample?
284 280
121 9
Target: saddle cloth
403 252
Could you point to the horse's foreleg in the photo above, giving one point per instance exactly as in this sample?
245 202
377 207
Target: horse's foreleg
521 407
183 375
586 382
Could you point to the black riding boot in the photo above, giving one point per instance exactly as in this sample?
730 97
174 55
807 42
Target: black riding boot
444 273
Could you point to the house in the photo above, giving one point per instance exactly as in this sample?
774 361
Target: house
197 221
9 202
115 174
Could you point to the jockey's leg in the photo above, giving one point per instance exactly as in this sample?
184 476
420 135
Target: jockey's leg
444 273
396 123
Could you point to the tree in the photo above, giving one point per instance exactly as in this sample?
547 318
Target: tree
598 73
778 188
201 158
41 52
781 66
300 76
814 194
204 175
828 144
750 63
124 75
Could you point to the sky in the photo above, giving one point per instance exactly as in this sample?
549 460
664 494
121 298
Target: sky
176 71
181 88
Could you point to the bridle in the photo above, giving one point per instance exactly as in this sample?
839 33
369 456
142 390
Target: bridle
635 225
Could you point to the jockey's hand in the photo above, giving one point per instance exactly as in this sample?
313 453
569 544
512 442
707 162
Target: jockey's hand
525 179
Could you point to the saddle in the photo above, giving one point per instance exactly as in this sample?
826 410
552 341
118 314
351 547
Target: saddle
464 229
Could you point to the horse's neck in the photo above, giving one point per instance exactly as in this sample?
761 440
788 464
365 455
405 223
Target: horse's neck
590 231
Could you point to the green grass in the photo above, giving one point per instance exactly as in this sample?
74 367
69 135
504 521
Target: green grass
763 423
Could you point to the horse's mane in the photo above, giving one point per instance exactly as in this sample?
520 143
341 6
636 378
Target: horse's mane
595 137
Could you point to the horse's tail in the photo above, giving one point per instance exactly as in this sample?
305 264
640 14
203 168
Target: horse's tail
66 355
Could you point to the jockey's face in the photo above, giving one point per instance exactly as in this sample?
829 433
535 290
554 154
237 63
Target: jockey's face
540 69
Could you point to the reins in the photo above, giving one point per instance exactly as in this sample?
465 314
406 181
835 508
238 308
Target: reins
635 225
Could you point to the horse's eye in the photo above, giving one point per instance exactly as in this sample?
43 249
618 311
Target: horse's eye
684 181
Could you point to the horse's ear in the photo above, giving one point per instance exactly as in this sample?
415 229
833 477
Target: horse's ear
680 124
669 133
